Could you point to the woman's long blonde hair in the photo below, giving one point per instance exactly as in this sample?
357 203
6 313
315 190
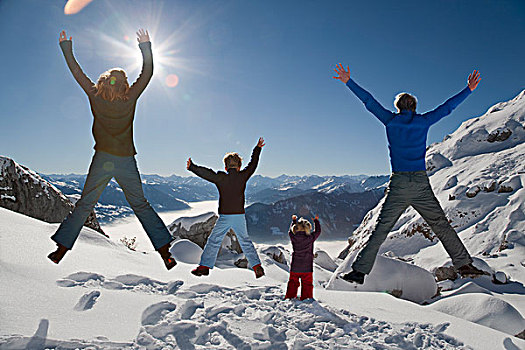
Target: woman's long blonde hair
113 85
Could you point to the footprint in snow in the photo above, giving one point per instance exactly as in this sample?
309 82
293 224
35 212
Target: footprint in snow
259 318
131 282
87 301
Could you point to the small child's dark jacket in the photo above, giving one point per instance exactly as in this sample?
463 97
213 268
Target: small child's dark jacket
303 249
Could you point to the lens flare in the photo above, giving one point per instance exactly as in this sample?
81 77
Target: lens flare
172 80
75 6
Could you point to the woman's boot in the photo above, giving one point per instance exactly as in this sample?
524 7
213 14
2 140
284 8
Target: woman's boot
164 252
58 254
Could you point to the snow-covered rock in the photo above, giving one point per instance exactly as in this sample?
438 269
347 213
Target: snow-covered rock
276 253
500 277
436 161
24 191
198 228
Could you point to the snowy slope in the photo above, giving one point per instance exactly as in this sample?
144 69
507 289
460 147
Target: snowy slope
103 295
478 175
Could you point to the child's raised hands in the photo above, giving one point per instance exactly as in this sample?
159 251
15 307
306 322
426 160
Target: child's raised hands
316 217
294 217
142 36
63 36
260 143
188 163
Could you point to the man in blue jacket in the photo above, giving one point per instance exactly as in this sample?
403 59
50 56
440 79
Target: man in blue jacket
409 185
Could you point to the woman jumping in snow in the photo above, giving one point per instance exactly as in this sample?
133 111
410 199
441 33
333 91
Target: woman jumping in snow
113 104
409 184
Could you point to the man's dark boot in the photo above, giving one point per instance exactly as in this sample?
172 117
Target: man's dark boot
354 277
470 270
58 254
201 271
259 271
164 252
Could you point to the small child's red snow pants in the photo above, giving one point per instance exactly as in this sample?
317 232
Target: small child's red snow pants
307 285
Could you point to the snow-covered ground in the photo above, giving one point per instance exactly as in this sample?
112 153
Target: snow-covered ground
103 295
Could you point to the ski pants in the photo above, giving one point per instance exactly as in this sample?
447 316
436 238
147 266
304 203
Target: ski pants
307 285
411 189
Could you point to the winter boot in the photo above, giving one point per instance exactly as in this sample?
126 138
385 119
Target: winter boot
164 252
259 271
355 277
470 270
58 254
201 271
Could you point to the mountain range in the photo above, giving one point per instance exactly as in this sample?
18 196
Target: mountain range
175 192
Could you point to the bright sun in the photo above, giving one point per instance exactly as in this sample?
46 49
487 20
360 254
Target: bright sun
115 30
118 34
167 64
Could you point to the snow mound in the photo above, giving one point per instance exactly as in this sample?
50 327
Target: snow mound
396 277
186 251
470 287
322 259
483 309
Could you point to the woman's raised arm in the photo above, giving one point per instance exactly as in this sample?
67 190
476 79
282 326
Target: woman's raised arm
147 65
67 49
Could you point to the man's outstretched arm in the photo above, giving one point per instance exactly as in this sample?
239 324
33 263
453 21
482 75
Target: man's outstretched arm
383 114
450 104
202 172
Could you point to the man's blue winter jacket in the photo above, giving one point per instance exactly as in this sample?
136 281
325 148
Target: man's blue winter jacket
407 131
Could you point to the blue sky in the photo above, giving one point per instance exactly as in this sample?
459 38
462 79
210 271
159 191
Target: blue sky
248 69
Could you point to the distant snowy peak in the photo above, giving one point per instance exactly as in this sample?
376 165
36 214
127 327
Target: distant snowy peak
26 192
271 190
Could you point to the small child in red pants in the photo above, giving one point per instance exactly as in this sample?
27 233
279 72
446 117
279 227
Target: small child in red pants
302 257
